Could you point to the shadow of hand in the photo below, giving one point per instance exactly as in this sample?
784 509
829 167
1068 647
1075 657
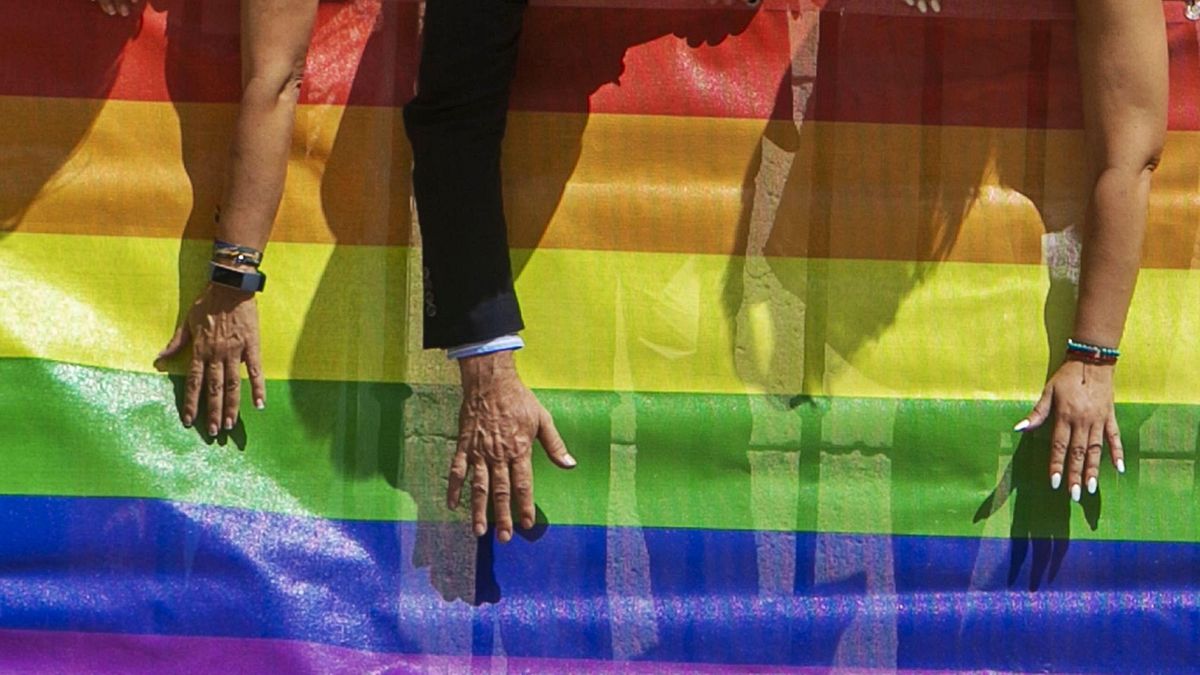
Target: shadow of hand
1041 516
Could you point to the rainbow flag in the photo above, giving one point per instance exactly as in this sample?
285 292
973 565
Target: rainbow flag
790 277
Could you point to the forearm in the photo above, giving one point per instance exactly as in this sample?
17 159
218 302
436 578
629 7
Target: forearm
1112 250
1123 68
456 127
275 37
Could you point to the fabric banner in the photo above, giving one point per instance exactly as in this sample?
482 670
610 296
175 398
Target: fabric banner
790 275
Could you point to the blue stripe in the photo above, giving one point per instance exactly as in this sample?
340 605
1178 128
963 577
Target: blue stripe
147 566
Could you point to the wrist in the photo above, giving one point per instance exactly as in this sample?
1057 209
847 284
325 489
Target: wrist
483 371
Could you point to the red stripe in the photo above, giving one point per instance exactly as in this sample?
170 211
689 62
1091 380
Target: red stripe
887 67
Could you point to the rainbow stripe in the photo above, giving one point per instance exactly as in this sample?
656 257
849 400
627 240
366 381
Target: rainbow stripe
785 274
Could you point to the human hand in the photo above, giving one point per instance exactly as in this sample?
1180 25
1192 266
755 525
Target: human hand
925 5
115 7
222 326
497 424
1080 395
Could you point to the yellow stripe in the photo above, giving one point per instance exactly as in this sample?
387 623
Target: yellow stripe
602 182
610 320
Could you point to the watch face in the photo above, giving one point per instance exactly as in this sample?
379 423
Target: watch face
246 281
226 276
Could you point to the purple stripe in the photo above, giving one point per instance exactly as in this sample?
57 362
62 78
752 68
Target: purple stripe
73 652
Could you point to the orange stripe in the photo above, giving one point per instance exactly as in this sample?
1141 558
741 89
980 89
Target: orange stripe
604 182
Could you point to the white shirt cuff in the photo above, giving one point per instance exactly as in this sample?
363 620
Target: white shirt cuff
504 343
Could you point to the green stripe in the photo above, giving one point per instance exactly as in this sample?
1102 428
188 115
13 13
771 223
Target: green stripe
379 452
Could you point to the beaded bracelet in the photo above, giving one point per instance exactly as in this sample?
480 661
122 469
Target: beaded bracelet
224 252
1105 356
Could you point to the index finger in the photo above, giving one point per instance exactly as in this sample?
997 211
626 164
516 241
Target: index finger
258 383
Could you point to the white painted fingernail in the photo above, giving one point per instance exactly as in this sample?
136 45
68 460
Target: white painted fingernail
1120 466
1076 492
1021 426
1055 481
1092 484
258 403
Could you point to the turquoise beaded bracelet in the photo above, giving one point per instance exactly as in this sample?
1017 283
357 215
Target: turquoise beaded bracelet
1094 352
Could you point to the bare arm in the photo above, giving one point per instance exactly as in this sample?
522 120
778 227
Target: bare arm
1123 67
223 322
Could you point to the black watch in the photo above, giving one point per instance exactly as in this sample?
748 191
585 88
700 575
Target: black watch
242 281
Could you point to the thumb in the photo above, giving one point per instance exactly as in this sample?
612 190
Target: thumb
178 341
553 443
1041 410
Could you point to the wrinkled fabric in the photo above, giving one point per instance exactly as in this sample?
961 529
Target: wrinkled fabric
790 275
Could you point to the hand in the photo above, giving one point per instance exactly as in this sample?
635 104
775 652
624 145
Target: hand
115 7
925 6
1081 397
497 423
223 328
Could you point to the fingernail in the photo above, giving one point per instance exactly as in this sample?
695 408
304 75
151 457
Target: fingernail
1021 426
527 524
212 430
569 461
1055 481
258 404
505 536
1092 484
1120 466
187 420
1076 492
228 423
480 529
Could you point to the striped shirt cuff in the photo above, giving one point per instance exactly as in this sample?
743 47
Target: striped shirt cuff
504 343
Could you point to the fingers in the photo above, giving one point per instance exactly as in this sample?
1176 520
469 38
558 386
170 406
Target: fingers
1112 433
522 485
214 374
479 495
1036 417
502 502
233 393
191 391
180 339
1059 441
258 383
115 7
1091 464
1075 459
458 475
552 442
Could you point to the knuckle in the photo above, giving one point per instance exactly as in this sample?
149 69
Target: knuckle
232 385
523 487
479 489
1078 452
214 387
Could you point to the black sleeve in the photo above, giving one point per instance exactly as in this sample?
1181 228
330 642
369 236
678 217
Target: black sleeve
456 127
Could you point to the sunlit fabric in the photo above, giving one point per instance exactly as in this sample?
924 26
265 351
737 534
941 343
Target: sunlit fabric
790 276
